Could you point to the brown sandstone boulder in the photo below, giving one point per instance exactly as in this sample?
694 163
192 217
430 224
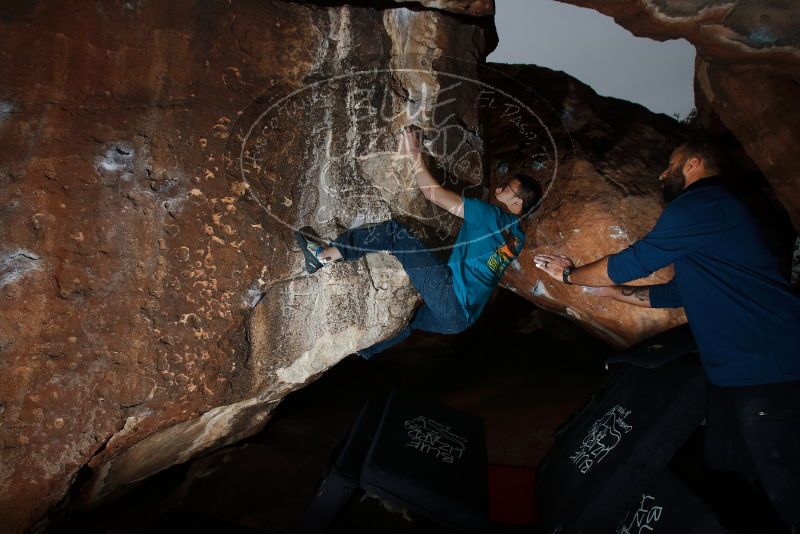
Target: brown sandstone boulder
598 160
155 157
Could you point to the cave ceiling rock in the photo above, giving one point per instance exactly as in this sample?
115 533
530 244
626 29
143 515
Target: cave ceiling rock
475 8
747 73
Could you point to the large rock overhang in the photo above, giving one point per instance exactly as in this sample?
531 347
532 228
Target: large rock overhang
747 73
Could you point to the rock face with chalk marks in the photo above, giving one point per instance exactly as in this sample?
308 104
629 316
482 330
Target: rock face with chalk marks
155 158
599 168
746 73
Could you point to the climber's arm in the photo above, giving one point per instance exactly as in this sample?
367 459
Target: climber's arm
431 189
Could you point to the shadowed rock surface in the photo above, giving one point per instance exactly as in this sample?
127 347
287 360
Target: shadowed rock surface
746 74
519 388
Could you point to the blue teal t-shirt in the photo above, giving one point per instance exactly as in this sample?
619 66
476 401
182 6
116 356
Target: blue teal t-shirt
481 253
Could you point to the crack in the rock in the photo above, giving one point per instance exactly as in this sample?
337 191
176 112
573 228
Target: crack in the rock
81 476
369 275
17 264
128 406
243 49
24 255
613 181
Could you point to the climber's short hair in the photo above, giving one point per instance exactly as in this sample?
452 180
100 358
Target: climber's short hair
529 191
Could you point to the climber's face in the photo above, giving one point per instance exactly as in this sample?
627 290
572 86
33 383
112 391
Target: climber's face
508 196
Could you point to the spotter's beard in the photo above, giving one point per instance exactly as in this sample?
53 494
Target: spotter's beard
672 185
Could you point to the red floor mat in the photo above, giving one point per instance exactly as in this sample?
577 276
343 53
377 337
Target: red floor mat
512 499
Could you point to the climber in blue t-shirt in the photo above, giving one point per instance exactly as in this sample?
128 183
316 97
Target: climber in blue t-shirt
454 292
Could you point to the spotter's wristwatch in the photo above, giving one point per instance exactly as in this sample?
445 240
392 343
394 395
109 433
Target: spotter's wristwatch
565 275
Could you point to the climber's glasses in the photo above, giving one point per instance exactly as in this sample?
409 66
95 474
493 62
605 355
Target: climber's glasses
512 190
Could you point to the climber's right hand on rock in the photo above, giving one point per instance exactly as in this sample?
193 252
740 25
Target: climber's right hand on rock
409 146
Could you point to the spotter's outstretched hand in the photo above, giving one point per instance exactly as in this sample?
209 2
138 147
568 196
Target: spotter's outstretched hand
553 264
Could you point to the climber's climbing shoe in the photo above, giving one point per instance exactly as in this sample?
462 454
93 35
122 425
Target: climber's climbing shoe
310 245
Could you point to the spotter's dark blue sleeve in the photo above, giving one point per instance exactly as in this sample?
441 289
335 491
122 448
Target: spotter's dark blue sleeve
690 221
665 295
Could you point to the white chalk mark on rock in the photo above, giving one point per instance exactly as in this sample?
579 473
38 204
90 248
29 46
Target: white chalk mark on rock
6 108
117 158
540 291
16 264
617 232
